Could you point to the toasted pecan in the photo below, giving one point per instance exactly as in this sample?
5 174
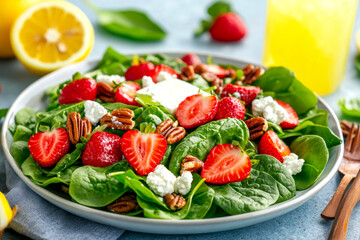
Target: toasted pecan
257 127
77 127
120 119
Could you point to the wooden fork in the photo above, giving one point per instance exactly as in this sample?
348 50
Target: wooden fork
343 213
350 166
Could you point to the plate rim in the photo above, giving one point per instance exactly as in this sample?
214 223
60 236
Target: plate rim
59 201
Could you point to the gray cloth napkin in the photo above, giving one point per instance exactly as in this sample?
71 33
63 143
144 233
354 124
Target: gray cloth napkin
38 219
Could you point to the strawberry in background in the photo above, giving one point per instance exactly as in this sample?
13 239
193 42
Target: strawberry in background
224 25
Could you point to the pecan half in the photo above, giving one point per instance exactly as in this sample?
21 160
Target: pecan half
251 73
170 130
106 92
119 119
218 83
231 73
175 202
124 204
77 127
257 127
187 73
210 77
201 68
191 164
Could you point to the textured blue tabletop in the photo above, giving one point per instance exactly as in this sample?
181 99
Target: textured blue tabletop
179 18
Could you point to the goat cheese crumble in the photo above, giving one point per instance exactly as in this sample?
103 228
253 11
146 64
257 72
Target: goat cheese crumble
110 79
147 81
237 95
293 164
94 111
268 108
183 183
163 76
161 181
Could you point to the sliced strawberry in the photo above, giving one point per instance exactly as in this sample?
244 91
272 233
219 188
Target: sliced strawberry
225 164
247 93
126 93
196 110
230 107
143 151
163 68
78 91
136 72
272 145
293 120
191 59
47 148
102 150
219 71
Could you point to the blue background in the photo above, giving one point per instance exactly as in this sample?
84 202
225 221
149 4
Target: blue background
179 19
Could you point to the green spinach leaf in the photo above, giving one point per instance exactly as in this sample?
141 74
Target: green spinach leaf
3 112
26 117
22 133
204 138
154 115
313 150
20 151
200 82
317 116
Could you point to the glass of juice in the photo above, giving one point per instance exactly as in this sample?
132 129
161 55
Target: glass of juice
311 38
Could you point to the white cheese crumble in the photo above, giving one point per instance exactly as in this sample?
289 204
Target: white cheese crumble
94 111
161 181
269 109
293 164
171 93
163 76
110 79
183 183
147 81
237 95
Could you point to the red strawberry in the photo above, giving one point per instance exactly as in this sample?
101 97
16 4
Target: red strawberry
47 148
225 164
247 93
78 91
162 68
143 151
219 71
228 27
102 150
272 145
136 72
293 120
196 110
230 107
191 59
126 93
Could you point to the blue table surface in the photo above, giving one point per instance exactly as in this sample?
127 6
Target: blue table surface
179 19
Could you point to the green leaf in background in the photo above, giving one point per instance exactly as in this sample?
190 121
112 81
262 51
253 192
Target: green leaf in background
20 151
219 8
350 108
357 64
3 112
313 150
203 27
132 24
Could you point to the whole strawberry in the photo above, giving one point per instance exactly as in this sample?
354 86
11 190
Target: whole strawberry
102 150
47 148
136 72
224 25
244 93
230 107
191 59
78 91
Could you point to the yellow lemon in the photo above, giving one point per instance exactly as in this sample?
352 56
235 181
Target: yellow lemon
357 40
6 214
50 35
9 11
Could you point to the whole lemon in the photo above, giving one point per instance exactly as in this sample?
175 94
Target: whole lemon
9 11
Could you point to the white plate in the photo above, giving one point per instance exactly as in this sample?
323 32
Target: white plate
34 97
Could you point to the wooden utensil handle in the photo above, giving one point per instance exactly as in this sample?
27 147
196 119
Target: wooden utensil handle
330 210
339 227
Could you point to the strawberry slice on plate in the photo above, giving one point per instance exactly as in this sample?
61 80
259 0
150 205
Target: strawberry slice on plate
219 71
196 110
293 120
245 93
126 93
191 59
47 148
272 145
143 151
226 163
136 72
163 68
78 91
102 150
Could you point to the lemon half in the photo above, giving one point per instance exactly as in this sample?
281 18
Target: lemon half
50 35
6 214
